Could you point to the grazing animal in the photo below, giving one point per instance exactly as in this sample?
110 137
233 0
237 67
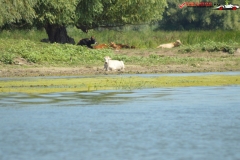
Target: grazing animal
100 46
87 42
170 45
115 46
110 64
126 46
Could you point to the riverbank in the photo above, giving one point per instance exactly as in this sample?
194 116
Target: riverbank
93 83
98 70
173 62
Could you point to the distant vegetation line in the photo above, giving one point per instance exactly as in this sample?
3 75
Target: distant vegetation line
140 39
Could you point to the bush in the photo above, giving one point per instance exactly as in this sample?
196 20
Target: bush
7 58
211 46
46 53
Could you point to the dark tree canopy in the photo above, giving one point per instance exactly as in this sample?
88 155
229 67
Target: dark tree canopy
55 16
189 18
105 13
17 11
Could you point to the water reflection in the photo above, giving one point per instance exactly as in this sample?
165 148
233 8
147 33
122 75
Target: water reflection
158 123
77 98
114 97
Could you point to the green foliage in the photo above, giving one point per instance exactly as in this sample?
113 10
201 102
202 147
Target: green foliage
211 46
24 45
44 53
142 39
189 18
55 12
105 13
61 55
7 58
32 35
51 85
17 11
118 12
152 39
87 13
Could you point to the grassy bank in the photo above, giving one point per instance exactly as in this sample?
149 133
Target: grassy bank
72 55
17 46
27 45
49 54
106 83
207 49
115 83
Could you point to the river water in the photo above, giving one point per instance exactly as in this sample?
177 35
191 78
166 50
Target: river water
144 124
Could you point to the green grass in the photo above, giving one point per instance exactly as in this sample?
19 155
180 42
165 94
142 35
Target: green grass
50 54
151 39
72 55
116 83
26 44
18 35
140 39
211 46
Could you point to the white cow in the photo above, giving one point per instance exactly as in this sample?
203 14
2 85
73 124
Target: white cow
113 64
170 45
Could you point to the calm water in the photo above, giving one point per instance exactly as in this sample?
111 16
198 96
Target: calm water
147 124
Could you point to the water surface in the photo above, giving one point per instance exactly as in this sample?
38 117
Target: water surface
146 124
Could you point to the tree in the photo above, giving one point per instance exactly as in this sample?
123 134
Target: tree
17 11
56 15
187 18
110 13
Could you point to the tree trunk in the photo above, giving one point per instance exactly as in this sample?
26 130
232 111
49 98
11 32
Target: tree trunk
57 33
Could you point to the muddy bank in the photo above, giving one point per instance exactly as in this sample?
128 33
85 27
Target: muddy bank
98 70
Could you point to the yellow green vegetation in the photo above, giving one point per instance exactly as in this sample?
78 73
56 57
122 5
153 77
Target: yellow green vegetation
107 83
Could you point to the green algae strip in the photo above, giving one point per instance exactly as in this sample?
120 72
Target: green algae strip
116 83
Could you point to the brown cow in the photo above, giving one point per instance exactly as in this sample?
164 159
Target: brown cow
100 46
119 46
126 46
115 46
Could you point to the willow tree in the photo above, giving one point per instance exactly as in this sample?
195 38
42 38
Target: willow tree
56 15
187 18
17 12
110 13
